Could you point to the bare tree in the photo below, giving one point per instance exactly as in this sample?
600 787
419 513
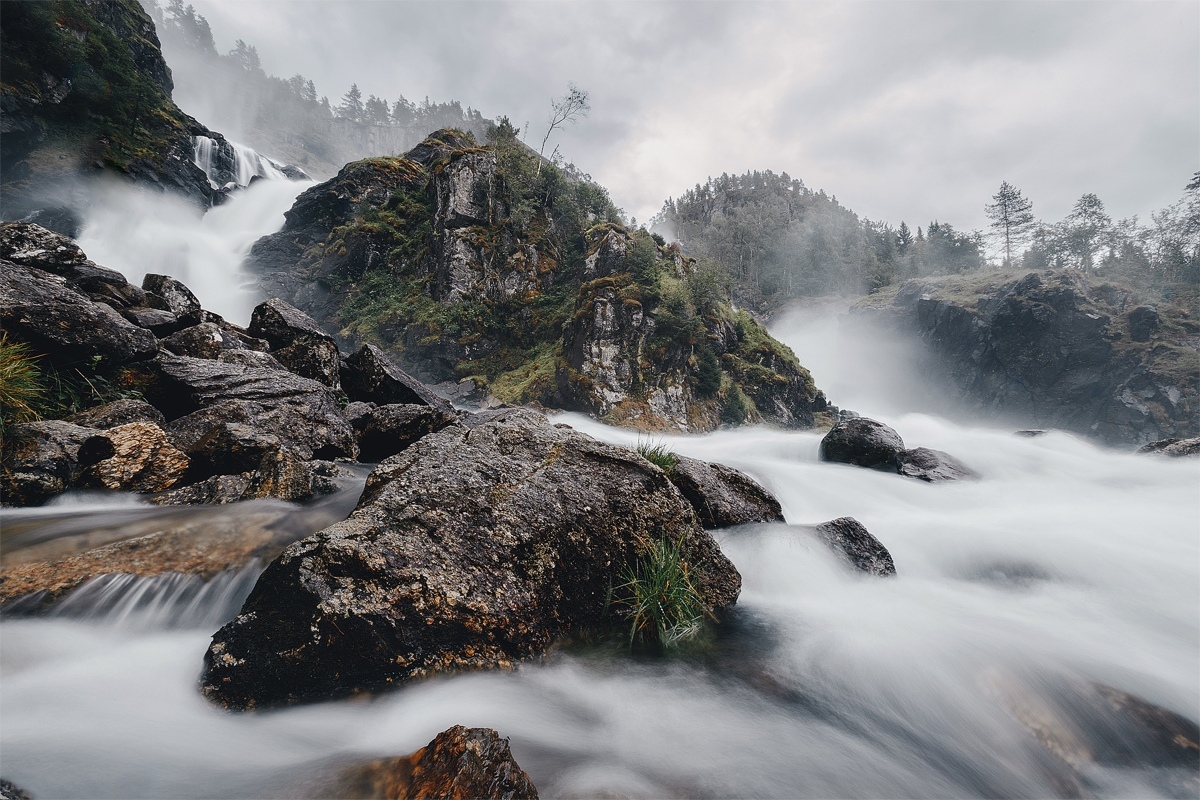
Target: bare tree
564 111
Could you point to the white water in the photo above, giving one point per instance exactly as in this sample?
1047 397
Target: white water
1067 564
138 231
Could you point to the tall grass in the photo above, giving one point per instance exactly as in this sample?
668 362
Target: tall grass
658 454
663 607
21 384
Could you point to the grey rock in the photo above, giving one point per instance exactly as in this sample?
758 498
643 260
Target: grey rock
160 323
118 412
1173 447
471 549
723 496
178 298
849 538
386 430
370 376
40 460
933 466
297 341
1143 323
205 340
862 442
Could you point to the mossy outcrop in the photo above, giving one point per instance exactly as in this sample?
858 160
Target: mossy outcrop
85 89
467 261
1057 349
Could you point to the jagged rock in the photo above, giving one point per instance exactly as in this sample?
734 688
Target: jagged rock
205 340
386 430
160 323
118 412
862 442
250 358
271 468
302 412
459 764
471 549
38 308
722 496
848 537
297 341
40 460
135 457
177 298
10 791
32 245
1052 348
1143 323
369 376
933 466
1173 447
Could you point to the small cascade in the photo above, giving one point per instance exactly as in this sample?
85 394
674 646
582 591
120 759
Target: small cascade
230 165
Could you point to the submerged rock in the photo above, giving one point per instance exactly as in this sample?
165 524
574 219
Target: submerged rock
471 549
863 442
459 764
723 496
933 466
1173 447
849 538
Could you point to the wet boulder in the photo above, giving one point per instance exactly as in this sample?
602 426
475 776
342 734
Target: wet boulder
1173 447
135 457
205 340
41 310
471 549
864 443
370 376
847 537
175 297
300 411
459 764
722 496
118 412
160 323
40 460
386 430
297 341
933 466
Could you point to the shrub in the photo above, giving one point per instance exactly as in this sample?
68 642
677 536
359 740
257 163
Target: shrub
663 608
736 407
658 455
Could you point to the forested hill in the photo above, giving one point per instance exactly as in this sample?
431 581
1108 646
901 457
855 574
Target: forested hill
285 116
778 239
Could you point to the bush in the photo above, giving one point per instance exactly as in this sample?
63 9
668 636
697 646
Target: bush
663 608
658 455
736 407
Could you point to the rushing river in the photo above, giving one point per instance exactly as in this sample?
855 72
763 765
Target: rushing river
1065 568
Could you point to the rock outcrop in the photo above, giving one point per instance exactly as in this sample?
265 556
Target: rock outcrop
459 764
474 548
450 262
1056 349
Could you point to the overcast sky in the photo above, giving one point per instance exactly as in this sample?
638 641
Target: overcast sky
904 110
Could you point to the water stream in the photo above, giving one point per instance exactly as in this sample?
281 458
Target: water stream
1067 567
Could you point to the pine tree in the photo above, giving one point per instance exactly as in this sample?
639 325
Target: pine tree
904 237
1012 218
352 104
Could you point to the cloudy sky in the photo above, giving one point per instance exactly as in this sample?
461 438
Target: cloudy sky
904 110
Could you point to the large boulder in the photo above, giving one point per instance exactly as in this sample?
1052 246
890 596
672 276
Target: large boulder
40 460
459 764
471 549
300 411
370 376
135 457
39 308
386 430
118 412
177 298
862 442
722 496
297 341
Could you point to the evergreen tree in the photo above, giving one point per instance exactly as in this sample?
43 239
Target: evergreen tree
352 104
1087 228
904 237
1011 218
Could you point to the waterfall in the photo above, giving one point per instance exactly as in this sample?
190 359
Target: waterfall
230 165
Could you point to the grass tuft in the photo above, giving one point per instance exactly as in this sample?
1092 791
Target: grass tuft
663 608
21 384
658 454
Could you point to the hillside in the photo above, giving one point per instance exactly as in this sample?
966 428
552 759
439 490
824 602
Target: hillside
479 262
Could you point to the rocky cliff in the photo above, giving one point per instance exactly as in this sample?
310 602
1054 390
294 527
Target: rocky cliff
86 89
1057 349
474 262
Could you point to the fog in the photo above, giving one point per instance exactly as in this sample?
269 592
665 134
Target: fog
904 111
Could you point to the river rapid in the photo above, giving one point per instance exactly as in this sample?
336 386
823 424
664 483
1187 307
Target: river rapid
1067 567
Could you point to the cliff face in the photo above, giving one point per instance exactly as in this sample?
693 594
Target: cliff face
470 262
85 88
1058 350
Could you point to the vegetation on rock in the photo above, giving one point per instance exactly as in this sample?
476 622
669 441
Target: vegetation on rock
663 608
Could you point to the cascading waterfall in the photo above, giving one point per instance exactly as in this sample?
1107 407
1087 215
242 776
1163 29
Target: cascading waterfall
233 162
1024 604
